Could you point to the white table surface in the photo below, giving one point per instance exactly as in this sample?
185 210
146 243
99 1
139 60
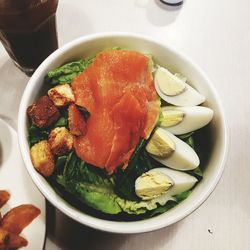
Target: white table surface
215 34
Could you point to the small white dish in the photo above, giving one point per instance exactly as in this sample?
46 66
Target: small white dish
15 179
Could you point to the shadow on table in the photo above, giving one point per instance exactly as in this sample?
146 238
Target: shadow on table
67 234
157 13
12 85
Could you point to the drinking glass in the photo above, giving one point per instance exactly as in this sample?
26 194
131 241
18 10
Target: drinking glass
28 31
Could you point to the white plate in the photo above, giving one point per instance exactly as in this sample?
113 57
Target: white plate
15 179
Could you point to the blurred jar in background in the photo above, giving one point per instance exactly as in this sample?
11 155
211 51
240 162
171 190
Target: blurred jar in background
28 31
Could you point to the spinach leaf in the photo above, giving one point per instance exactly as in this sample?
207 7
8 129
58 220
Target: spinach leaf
67 72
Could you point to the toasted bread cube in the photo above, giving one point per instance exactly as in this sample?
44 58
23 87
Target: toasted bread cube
61 95
77 123
42 158
43 112
60 141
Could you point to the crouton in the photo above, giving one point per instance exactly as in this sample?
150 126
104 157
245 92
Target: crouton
77 123
61 95
42 158
43 112
60 141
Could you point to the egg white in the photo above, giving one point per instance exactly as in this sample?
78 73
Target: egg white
181 181
194 118
183 157
189 97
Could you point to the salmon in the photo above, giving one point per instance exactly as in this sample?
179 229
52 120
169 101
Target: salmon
118 91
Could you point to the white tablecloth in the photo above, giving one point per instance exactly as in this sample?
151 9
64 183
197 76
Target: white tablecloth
215 34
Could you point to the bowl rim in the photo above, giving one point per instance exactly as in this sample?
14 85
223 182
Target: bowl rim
96 223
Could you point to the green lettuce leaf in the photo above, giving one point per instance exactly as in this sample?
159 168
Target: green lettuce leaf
151 63
67 72
197 172
200 142
92 187
61 122
188 138
162 209
125 179
113 48
36 134
141 207
185 136
182 196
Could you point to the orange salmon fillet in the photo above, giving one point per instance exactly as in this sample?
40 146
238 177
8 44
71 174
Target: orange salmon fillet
118 91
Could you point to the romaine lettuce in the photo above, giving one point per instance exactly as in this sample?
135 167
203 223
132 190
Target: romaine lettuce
92 187
67 72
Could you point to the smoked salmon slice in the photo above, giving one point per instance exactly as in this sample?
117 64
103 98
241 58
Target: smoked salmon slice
117 90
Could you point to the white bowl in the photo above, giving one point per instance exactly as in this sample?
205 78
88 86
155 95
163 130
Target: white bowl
164 55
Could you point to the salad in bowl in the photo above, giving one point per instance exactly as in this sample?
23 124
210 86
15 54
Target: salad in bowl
117 135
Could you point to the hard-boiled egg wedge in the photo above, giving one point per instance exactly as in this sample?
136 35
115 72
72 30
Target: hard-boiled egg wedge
172 152
163 181
175 90
182 120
